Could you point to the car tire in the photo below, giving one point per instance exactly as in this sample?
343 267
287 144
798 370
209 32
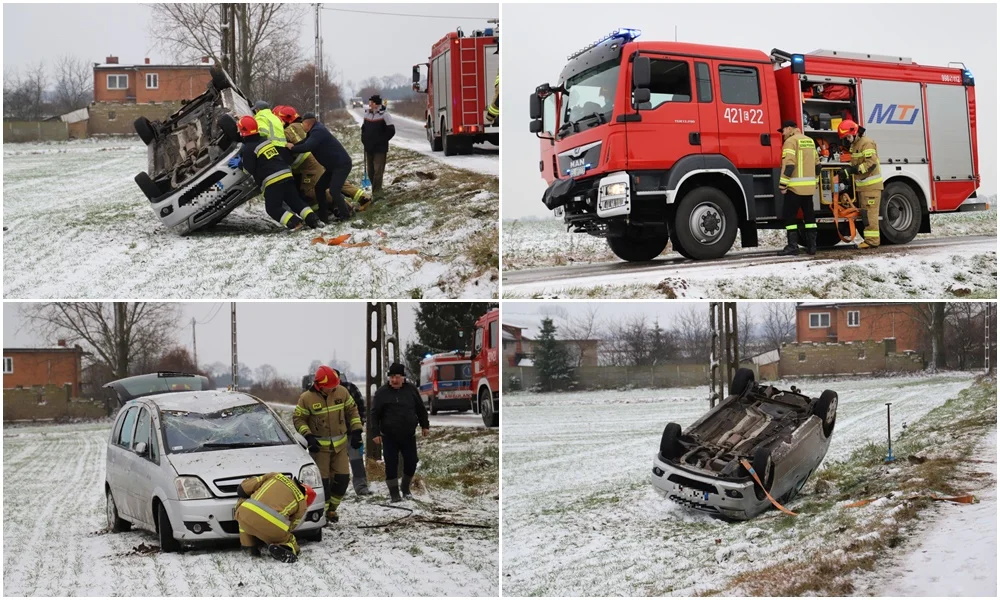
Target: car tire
116 524
316 535
670 447
635 249
742 382
219 80
227 123
490 418
148 186
826 409
165 531
716 220
901 214
433 408
763 465
145 130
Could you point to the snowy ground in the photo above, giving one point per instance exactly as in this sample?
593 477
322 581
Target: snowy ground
576 479
55 542
411 135
77 226
957 260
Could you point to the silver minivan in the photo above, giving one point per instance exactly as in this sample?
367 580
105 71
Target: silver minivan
174 462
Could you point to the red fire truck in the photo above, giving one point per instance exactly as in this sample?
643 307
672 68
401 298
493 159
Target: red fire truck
446 382
459 83
486 367
648 142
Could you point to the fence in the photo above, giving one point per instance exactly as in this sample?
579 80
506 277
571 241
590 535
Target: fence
603 378
49 403
35 131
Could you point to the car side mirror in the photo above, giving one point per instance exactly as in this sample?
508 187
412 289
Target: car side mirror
141 448
641 72
535 126
535 107
416 75
640 96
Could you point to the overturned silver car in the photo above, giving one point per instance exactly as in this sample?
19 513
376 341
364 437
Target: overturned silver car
782 435
188 182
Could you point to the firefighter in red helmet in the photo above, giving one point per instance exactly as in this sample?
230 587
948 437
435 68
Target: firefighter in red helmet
267 163
327 416
867 177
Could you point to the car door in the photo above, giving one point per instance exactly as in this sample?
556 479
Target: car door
745 131
141 469
120 464
668 126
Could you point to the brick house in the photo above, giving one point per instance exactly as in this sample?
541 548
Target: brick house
35 367
861 322
123 93
519 343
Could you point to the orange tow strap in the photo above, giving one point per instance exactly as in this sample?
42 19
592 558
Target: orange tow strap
753 474
844 208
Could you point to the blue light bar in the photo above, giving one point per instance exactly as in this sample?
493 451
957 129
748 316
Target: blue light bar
626 34
798 63
967 78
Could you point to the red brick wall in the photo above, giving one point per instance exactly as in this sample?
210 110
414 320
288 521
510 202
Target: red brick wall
43 368
174 84
876 322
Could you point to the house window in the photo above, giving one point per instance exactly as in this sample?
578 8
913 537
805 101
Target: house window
117 82
112 115
819 320
739 85
854 318
8 365
861 354
802 357
152 81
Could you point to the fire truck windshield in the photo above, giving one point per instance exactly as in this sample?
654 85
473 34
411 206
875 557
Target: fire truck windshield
589 99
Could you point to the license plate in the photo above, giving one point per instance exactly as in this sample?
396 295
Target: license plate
577 171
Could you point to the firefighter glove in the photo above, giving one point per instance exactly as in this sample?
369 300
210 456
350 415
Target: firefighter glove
851 169
313 443
356 439
235 162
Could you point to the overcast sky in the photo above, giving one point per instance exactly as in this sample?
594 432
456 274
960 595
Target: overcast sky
931 34
358 45
265 333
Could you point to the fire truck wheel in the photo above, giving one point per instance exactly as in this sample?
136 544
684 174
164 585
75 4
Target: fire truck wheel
706 223
636 248
449 144
900 212
676 244
435 142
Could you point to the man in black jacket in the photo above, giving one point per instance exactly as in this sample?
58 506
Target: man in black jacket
335 160
396 412
376 132
268 165
357 455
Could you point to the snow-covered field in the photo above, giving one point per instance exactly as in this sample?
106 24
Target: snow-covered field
77 226
581 518
55 541
540 259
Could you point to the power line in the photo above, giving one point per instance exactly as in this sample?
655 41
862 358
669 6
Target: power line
385 14
218 308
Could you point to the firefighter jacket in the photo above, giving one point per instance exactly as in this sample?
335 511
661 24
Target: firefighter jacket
270 126
493 111
359 398
264 161
295 133
377 130
324 147
273 497
864 156
799 160
329 417
396 413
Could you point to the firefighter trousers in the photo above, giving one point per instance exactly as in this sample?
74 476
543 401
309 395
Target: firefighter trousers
790 211
255 530
335 470
359 476
868 202
333 179
309 176
376 169
281 194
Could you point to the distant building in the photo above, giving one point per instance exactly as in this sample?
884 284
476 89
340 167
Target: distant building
859 322
519 341
35 367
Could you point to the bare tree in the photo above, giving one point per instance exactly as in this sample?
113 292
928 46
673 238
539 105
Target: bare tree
266 375
931 316
23 94
748 334
579 331
695 333
118 335
74 84
777 325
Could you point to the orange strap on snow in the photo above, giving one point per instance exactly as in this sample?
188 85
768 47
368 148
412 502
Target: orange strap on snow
753 474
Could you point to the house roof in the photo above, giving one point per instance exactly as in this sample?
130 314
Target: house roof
817 304
198 65
81 114
60 349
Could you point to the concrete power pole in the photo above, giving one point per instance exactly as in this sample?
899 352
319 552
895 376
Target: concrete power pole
236 362
382 351
725 354
228 29
988 345
194 342
317 64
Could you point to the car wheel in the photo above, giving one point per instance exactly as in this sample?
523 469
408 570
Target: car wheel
826 409
901 214
706 223
670 447
116 524
490 418
219 80
638 249
145 130
148 186
228 126
764 467
165 531
742 382
316 535
433 407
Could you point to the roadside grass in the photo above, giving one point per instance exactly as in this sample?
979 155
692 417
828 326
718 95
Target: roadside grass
467 461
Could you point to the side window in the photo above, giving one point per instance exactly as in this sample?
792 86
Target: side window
549 114
479 339
669 81
493 334
142 429
128 425
739 85
703 75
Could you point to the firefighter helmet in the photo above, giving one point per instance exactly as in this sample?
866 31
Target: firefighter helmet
326 378
846 128
310 494
247 126
287 114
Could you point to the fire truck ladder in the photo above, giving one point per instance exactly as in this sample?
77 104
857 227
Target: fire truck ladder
468 65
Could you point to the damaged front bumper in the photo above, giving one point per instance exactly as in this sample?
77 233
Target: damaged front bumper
732 499
213 519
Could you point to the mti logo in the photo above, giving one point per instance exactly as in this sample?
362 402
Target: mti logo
894 114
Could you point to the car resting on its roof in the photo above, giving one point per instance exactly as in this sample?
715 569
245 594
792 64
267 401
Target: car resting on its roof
782 435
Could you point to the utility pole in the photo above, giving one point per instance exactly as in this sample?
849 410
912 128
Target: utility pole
228 36
317 64
724 358
988 345
382 351
236 362
194 342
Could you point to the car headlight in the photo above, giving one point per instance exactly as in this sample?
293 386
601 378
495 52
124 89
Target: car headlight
310 476
191 488
615 189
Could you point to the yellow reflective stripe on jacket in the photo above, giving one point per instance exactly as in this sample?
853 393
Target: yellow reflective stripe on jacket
356 421
300 159
868 153
788 152
801 181
358 194
285 218
270 515
301 411
337 441
331 408
877 178
493 110
783 180
304 429
276 177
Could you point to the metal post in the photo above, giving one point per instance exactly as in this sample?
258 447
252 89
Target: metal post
715 354
194 342
317 64
888 422
732 341
236 362
987 342
373 367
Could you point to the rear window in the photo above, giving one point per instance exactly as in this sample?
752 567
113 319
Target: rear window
249 425
454 372
147 385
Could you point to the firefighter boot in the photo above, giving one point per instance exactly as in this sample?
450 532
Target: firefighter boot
282 553
404 486
393 490
312 220
792 249
811 241
252 551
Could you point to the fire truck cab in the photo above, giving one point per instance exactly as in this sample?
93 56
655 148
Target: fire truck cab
486 367
459 80
648 142
446 382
